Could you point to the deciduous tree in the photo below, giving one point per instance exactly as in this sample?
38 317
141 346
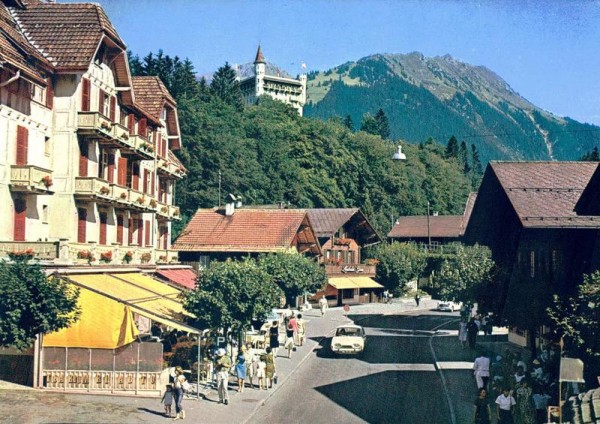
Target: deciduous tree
399 263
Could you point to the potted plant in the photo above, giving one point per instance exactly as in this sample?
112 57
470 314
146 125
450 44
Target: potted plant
106 257
124 195
146 257
128 257
21 255
87 255
104 190
105 126
162 258
141 200
47 181
153 203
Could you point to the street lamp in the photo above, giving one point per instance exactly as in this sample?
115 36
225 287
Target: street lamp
399 155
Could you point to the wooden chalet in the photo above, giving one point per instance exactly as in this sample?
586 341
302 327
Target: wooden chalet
342 233
541 221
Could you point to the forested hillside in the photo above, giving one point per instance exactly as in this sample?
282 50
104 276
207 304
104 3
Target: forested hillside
441 97
268 154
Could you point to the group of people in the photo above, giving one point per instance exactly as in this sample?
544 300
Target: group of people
522 388
469 328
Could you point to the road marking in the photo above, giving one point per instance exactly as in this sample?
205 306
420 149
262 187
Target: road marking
454 365
403 367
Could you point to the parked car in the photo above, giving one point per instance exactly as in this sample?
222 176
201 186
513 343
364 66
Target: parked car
448 306
348 339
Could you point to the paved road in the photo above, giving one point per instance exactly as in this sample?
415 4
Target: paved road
394 381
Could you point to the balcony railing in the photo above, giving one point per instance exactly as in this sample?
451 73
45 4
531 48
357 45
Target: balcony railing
169 212
358 269
39 250
166 256
170 168
143 147
93 188
95 124
31 179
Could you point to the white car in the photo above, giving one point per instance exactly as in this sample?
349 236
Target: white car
348 339
448 306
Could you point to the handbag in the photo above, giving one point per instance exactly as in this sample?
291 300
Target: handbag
275 379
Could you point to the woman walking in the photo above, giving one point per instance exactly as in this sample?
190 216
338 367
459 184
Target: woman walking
274 337
240 369
483 413
250 358
462 333
179 380
269 368
525 409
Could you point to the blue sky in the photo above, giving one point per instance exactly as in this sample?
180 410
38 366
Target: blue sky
548 51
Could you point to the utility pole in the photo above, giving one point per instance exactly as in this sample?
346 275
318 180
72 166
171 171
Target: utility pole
219 202
428 229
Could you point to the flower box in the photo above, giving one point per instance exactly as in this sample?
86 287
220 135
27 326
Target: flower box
106 257
47 181
128 257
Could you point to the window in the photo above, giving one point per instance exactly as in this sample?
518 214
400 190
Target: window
103 222
103 165
22 145
47 146
85 94
81 224
20 219
38 94
103 103
163 114
44 214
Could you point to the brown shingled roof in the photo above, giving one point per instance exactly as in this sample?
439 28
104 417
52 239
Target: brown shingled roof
439 226
151 93
247 230
544 194
68 34
327 221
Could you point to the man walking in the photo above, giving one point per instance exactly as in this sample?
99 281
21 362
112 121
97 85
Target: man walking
417 299
223 366
472 329
301 329
322 305
481 370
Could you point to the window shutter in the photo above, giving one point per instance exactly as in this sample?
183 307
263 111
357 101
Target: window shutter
103 219
111 168
166 238
140 234
153 180
143 127
20 219
49 93
148 233
81 225
130 231
145 181
131 124
101 101
120 229
83 158
113 108
22 142
85 94
122 172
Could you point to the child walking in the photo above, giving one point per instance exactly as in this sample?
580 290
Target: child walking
261 372
167 399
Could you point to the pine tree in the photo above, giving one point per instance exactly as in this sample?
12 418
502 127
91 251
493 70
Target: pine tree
369 124
463 157
383 125
591 156
452 148
476 162
226 86
348 122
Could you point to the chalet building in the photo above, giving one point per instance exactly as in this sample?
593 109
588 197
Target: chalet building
342 234
87 183
219 234
434 230
287 90
541 222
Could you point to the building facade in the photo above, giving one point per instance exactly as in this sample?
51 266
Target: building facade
287 90
87 170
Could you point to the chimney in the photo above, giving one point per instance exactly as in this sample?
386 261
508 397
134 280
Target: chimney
230 205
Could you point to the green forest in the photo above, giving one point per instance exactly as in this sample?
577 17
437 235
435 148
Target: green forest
269 155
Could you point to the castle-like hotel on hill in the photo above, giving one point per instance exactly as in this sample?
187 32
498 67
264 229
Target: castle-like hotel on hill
288 90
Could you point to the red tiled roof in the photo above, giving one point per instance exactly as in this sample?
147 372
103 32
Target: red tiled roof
439 226
544 194
183 277
327 221
150 94
67 34
247 230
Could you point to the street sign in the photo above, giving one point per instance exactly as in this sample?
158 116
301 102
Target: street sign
571 369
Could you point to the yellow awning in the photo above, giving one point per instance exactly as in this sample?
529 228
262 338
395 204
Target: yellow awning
104 324
354 283
144 295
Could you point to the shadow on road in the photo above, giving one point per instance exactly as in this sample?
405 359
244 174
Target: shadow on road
153 412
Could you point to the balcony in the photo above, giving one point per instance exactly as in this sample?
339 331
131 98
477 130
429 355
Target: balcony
94 124
45 251
168 212
169 169
95 254
30 179
345 269
143 148
91 188
166 256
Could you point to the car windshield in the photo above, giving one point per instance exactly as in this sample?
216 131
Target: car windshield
348 332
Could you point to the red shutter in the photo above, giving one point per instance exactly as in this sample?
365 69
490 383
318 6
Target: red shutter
81 225
111 168
83 158
49 93
120 229
85 95
122 172
148 233
145 181
20 219
101 101
130 232
153 180
103 219
136 176
113 108
22 142
143 127
131 124
140 230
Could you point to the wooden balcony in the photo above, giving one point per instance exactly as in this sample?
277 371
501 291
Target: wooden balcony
169 169
94 124
168 212
30 179
350 269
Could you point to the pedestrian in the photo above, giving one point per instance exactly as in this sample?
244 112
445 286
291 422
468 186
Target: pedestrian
417 299
289 338
481 370
250 358
261 367
293 322
483 326
505 404
222 367
301 329
462 333
274 337
525 408
269 368
179 383
519 376
483 413
240 369
167 400
322 305
541 404
490 325
472 330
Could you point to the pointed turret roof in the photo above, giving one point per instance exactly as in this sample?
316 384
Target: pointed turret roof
259 56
